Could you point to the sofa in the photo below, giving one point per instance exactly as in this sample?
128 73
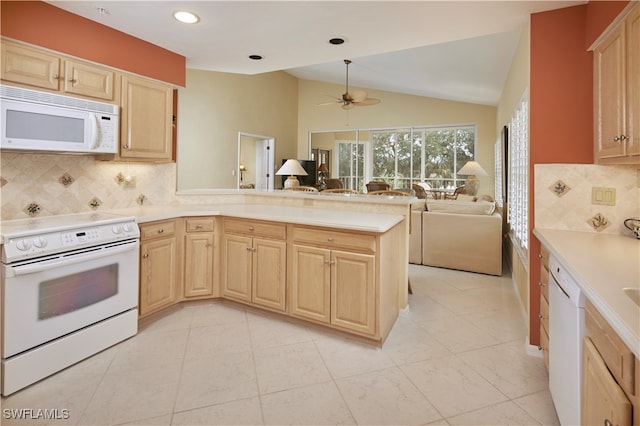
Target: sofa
456 234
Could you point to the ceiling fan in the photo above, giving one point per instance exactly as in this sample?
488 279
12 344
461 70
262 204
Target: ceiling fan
354 98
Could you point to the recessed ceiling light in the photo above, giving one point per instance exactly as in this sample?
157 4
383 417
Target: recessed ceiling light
186 17
103 11
336 40
255 57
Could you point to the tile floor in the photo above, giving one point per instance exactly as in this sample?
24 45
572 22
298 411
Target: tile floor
455 356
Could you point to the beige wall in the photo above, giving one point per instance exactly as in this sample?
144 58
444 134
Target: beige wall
215 106
395 110
517 80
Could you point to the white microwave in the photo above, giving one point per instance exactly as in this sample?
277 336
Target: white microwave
32 120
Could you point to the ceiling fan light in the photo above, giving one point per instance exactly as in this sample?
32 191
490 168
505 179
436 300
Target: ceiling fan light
186 17
358 95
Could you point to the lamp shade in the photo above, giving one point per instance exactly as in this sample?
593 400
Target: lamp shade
472 168
243 168
291 167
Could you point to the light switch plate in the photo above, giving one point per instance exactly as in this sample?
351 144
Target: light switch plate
603 196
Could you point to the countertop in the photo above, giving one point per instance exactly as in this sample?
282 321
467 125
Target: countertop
344 219
602 265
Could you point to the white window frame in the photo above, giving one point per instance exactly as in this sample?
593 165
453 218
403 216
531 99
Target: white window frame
518 197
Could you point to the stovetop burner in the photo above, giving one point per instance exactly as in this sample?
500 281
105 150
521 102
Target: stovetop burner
35 237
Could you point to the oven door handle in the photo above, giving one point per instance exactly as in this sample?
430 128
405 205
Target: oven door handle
64 260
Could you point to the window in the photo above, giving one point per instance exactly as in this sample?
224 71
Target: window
518 194
351 163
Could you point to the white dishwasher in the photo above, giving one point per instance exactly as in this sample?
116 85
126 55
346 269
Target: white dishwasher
566 330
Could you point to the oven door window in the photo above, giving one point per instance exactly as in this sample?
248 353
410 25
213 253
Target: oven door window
72 292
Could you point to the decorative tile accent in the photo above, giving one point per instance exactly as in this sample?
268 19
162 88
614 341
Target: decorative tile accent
3 182
95 203
32 209
66 179
559 188
141 199
599 222
119 178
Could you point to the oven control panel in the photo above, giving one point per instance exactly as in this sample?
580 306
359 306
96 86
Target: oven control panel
33 245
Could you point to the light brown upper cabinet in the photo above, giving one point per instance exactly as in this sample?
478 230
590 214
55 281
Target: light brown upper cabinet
42 69
146 119
616 95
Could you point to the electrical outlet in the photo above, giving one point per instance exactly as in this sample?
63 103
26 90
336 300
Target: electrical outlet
603 196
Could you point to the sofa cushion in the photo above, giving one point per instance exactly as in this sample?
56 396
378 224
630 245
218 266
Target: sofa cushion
461 207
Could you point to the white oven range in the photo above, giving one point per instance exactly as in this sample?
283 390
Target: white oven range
69 290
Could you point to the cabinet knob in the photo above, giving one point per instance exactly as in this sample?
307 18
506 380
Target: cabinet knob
540 316
160 231
56 77
540 256
72 80
125 146
540 348
329 262
541 284
330 239
620 138
199 226
607 422
251 228
145 256
623 137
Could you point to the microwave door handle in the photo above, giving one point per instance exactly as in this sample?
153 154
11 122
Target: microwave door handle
95 131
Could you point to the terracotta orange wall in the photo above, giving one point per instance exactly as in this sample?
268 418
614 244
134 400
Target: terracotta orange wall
45 25
561 103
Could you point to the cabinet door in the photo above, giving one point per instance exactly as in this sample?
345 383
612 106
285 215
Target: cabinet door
310 286
236 267
21 64
609 96
198 264
157 274
88 80
633 82
602 398
147 109
269 273
353 291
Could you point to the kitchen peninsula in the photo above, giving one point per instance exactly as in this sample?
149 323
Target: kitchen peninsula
343 269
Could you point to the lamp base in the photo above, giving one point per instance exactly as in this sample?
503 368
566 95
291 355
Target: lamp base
471 185
291 182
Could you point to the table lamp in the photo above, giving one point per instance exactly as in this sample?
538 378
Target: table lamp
292 168
472 169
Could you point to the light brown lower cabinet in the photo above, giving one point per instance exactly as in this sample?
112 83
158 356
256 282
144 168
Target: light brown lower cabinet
159 266
334 287
199 256
603 400
254 268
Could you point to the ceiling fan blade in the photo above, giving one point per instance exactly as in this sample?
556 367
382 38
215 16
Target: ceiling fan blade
329 103
367 102
348 106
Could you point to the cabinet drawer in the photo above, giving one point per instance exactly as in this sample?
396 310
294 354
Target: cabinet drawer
544 346
198 225
544 314
255 228
544 282
335 239
614 352
164 228
544 256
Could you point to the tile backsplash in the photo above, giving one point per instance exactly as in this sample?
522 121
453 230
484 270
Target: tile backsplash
563 197
49 184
